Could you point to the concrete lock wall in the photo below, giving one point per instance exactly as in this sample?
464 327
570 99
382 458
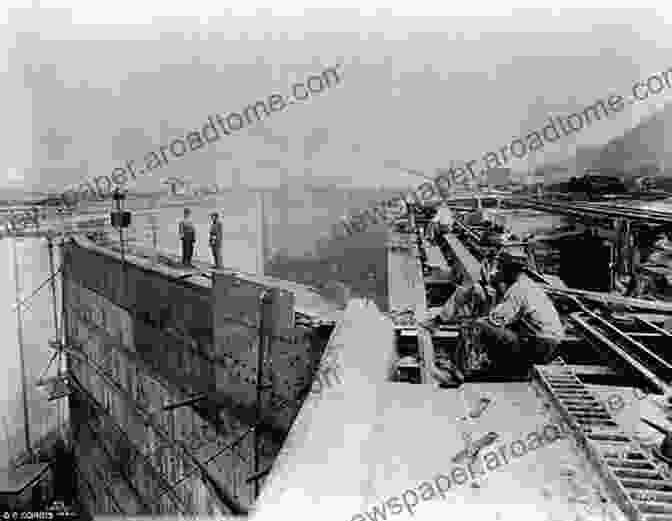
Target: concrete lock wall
144 340
125 444
291 355
322 471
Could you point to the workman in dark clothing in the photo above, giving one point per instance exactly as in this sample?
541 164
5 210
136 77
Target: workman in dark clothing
216 239
188 238
36 217
524 327
469 300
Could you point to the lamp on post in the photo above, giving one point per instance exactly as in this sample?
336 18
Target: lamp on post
120 219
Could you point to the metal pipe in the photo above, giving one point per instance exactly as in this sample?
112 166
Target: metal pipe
54 304
19 334
64 321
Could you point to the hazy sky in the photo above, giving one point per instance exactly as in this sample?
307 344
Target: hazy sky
421 90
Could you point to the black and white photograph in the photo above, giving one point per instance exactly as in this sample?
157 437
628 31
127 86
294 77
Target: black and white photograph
349 262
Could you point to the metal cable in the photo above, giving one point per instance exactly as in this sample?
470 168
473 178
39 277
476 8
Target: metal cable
174 485
24 302
48 365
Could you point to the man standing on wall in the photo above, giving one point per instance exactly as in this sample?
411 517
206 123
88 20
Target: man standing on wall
216 239
188 238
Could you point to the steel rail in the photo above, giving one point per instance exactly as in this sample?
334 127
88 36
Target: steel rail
651 377
582 210
659 330
608 205
624 336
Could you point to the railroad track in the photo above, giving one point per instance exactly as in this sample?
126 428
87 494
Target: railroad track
638 344
606 210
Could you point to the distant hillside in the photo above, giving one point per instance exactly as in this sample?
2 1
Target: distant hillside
641 146
640 151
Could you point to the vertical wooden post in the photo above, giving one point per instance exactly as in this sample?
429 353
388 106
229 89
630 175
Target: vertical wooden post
261 232
19 334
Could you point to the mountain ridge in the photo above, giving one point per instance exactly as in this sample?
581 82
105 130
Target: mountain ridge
639 151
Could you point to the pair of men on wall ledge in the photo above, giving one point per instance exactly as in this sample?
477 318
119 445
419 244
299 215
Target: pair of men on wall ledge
187 233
